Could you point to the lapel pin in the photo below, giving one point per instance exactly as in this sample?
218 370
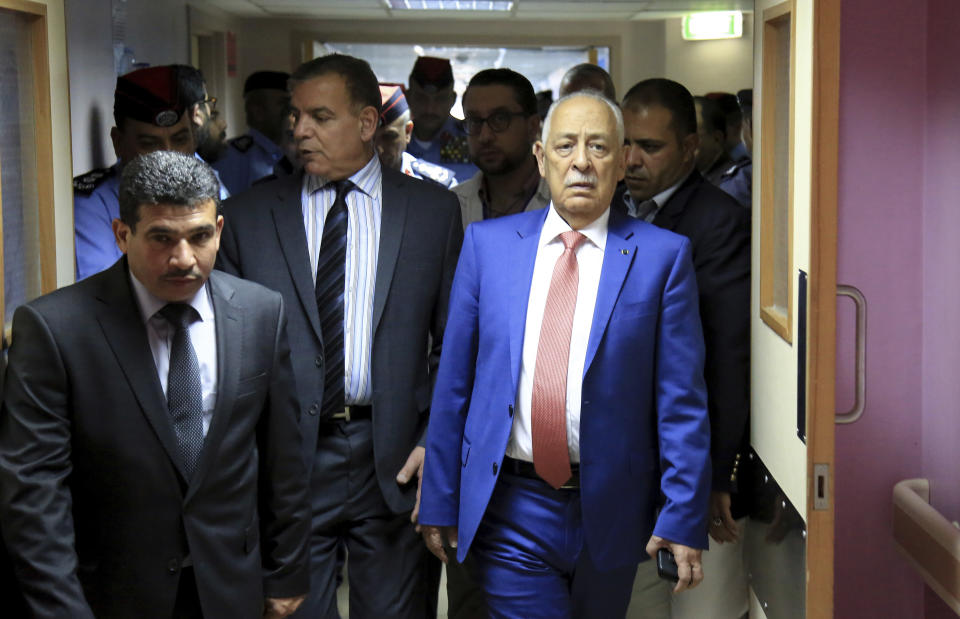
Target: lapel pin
625 251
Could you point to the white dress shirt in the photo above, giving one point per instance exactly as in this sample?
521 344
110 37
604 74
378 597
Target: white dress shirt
363 244
590 263
203 336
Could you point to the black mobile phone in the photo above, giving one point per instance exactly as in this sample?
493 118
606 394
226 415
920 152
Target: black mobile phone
667 565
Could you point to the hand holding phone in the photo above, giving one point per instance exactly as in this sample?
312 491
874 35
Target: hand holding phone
667 565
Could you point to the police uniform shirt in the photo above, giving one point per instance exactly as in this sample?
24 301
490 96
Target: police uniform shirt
96 203
447 149
737 180
247 159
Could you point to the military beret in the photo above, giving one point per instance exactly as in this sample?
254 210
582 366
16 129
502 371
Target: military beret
266 80
432 73
150 95
394 103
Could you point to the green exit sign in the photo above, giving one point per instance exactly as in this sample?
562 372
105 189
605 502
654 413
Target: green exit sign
713 25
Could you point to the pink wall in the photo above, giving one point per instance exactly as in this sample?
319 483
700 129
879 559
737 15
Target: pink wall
883 52
941 269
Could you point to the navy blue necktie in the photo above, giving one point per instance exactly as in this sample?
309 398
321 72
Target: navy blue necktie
331 278
184 394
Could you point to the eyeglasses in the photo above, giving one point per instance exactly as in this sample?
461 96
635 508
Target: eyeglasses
212 102
498 122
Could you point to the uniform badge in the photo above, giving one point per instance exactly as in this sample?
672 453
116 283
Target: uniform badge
166 118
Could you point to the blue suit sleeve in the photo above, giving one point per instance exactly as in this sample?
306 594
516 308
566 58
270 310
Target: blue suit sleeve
440 491
681 404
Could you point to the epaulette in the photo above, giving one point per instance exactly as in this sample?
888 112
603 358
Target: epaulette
86 183
242 143
732 170
434 172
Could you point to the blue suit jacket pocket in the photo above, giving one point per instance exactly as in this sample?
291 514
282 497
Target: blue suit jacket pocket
464 451
634 310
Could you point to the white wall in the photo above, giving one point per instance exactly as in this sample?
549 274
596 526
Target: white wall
158 32
706 66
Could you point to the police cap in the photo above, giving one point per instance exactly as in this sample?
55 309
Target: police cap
150 95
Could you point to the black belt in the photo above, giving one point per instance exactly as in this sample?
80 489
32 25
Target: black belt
522 468
351 413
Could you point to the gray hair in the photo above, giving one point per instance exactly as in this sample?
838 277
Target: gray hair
165 177
591 94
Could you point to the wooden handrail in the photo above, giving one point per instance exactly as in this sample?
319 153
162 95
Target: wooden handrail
929 541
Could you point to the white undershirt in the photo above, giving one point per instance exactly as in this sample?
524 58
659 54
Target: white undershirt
590 263
203 336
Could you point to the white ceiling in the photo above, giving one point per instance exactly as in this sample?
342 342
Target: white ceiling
522 9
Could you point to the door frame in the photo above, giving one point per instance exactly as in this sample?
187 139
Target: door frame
822 306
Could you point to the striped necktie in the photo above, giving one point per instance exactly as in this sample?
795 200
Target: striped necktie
331 280
551 458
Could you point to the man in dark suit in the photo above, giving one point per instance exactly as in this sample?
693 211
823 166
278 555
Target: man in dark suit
666 189
148 461
364 257
574 380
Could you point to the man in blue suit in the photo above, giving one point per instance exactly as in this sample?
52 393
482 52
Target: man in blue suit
570 393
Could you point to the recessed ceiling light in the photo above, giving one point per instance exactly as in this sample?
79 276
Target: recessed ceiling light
449 5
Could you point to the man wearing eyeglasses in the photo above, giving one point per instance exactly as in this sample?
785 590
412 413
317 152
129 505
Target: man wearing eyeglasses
438 137
500 116
209 126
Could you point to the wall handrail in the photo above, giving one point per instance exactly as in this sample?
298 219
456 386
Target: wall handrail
928 540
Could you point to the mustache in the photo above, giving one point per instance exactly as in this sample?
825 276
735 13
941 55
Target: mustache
575 177
181 273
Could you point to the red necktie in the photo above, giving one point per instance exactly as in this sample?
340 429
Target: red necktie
551 459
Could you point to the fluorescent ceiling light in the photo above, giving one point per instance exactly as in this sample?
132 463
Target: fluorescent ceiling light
713 25
450 5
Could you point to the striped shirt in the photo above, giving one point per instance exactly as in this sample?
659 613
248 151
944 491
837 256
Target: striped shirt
363 241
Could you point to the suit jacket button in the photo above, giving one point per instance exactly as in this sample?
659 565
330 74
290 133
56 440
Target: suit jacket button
318 361
494 468
314 409
510 410
173 565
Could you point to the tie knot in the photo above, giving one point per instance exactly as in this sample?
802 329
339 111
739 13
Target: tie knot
342 187
179 315
571 239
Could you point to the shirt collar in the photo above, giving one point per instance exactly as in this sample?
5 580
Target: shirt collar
554 225
661 198
150 304
367 179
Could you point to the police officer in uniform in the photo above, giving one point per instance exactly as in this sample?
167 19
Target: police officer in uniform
259 152
438 137
149 113
393 136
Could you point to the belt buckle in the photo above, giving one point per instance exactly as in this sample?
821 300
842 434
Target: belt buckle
345 414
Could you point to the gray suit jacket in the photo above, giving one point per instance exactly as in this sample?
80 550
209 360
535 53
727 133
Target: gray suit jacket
96 512
420 236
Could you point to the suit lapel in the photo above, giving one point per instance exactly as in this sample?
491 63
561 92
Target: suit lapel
669 216
288 219
393 216
618 256
123 328
519 280
229 326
